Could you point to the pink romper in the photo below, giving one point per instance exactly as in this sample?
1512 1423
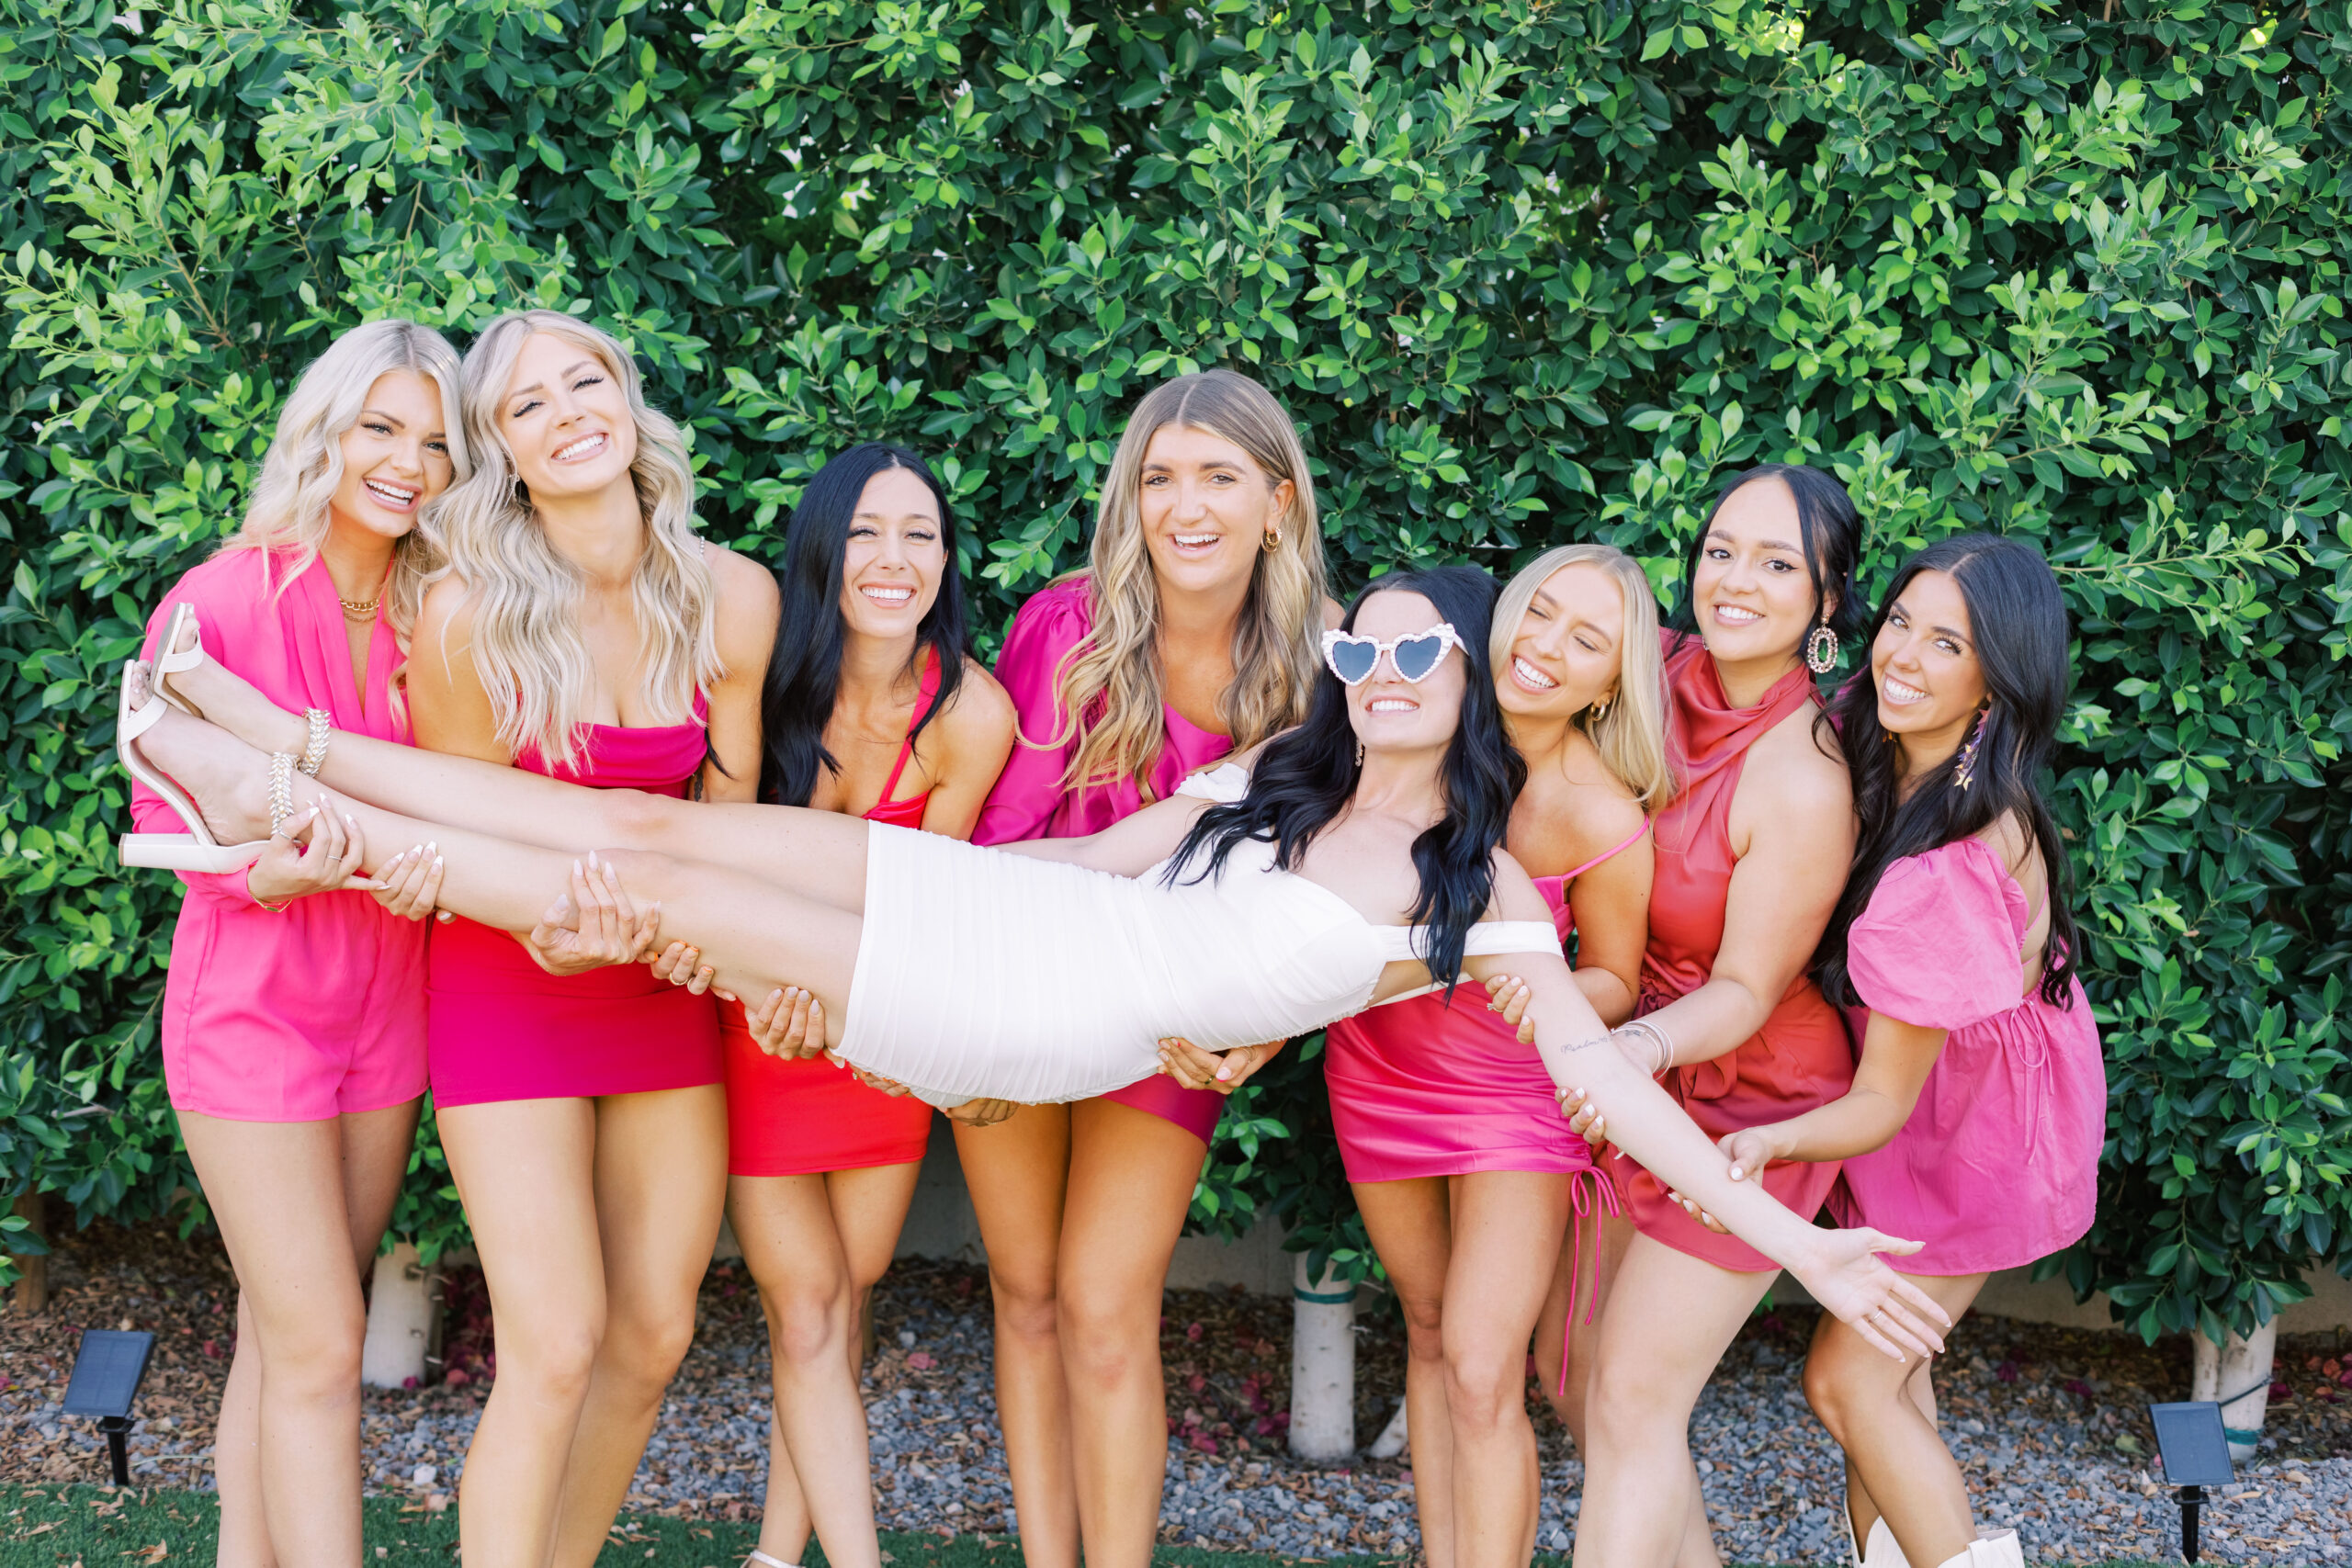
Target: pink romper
1998 1164
503 1028
318 1010
1029 802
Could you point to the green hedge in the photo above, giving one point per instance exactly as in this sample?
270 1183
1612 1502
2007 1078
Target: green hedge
1526 273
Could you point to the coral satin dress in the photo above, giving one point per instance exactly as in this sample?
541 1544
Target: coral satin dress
501 1028
1998 1165
1029 801
1800 1057
800 1118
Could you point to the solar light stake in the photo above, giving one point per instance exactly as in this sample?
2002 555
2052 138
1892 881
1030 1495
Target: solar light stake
106 1372
2196 1454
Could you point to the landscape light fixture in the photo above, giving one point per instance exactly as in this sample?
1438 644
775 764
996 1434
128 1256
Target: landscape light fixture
2196 1454
106 1370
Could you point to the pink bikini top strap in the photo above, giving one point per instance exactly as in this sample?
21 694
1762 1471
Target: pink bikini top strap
924 696
1604 854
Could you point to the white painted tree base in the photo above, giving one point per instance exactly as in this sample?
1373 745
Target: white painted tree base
1394 1438
2221 1371
1322 1365
399 1321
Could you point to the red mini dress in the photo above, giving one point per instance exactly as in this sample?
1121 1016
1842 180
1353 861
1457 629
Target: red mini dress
499 1027
795 1117
1800 1057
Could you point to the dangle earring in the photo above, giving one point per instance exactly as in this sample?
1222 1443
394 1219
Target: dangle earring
1821 648
1359 754
1963 772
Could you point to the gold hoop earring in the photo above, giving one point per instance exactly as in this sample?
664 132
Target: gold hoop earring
1599 710
1359 753
1272 540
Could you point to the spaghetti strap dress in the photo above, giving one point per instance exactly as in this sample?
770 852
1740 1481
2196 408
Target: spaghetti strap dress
1997 1166
1800 1057
501 1028
1030 802
790 1117
317 1011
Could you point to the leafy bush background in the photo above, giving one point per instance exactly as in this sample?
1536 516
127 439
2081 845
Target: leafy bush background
1525 271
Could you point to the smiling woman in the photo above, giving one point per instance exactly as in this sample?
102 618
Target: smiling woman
583 632
293 1019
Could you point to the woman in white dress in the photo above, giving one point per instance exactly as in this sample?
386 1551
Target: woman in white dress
1358 862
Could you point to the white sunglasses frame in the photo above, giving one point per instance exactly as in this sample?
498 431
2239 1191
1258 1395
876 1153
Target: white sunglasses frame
1443 631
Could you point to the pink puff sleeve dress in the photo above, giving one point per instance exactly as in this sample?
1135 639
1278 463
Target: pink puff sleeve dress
1030 802
1998 1164
317 1011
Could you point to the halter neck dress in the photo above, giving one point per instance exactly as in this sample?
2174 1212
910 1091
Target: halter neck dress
501 1028
1997 1166
1030 802
1800 1057
790 1117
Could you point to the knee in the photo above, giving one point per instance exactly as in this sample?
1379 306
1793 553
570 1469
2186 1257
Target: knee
1617 1400
552 1359
645 1347
1106 1337
1484 1386
807 1327
1831 1389
648 876
317 1358
634 818
1424 1326
1028 1307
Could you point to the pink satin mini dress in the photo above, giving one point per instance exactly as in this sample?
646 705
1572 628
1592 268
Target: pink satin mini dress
317 1011
1029 801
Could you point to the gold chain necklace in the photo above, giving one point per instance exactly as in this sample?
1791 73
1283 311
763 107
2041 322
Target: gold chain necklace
356 610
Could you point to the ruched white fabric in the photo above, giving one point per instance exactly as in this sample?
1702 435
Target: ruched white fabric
983 974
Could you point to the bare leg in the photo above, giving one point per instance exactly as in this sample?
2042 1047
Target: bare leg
1019 1175
1470 1259
301 1206
1669 1319
1603 1241
1883 1416
660 1183
815 1245
1131 1180
756 934
511 802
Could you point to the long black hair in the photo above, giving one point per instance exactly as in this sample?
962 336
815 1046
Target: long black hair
1304 778
805 674
2017 621
1828 526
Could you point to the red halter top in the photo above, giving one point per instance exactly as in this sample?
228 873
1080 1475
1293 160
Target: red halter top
908 813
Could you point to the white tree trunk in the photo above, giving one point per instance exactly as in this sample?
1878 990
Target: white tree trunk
1322 1365
2238 1371
1394 1438
401 1304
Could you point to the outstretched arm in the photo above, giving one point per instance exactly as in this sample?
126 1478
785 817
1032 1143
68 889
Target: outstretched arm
1896 1059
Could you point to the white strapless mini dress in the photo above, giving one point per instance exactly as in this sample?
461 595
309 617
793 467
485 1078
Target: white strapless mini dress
983 974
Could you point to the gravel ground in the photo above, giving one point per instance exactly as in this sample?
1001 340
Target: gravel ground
2050 1424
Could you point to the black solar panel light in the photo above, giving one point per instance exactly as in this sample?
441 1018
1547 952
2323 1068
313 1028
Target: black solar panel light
2196 1454
106 1370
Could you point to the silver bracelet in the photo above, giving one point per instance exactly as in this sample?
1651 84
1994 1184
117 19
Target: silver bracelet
314 752
1662 1048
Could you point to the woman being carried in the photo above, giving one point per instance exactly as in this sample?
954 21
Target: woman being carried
1358 862
1978 1109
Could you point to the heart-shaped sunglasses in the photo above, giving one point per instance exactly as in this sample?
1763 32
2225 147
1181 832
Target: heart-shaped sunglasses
1353 658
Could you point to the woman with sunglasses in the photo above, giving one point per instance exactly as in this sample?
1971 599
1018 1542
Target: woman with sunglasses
1358 860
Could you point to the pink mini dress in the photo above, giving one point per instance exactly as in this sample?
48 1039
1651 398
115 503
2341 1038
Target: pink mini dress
318 1010
503 1028
1029 801
1998 1165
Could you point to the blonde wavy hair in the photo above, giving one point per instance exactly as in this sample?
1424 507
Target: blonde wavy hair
1631 736
288 517
528 643
1110 688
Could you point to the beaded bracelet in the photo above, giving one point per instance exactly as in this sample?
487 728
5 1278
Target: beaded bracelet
281 806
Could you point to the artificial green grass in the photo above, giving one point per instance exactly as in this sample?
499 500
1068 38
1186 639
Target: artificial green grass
57 1526
61 1526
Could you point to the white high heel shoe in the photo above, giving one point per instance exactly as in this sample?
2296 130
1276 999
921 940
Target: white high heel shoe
1880 1551
173 660
1994 1548
196 850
